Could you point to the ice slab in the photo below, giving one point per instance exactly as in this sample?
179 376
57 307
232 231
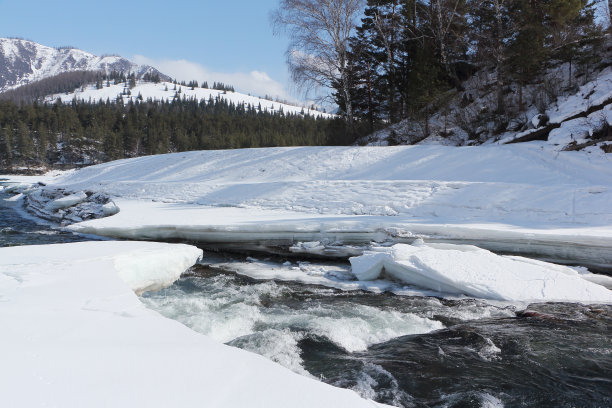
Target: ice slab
76 335
67 201
258 227
464 269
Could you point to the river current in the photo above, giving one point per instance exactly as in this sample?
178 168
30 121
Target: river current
407 351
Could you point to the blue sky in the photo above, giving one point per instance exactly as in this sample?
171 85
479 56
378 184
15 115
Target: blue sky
229 41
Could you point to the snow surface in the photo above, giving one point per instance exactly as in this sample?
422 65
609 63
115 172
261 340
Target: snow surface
590 94
167 91
517 198
336 201
469 270
75 334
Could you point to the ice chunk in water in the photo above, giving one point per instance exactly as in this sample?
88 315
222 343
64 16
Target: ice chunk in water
469 270
67 201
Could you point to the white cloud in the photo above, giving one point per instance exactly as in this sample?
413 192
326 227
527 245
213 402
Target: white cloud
255 82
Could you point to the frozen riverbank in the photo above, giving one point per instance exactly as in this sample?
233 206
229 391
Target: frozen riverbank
340 236
79 336
335 202
523 199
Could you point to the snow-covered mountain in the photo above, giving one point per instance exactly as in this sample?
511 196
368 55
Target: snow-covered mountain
23 62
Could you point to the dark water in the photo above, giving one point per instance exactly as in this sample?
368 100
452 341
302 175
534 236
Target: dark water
17 230
552 355
542 362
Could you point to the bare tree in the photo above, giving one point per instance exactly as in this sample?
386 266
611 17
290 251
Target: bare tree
444 14
318 52
387 26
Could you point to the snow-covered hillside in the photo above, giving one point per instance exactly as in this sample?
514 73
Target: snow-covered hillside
570 117
23 62
168 91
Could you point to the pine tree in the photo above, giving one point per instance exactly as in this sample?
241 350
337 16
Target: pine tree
42 145
25 147
381 30
6 148
527 50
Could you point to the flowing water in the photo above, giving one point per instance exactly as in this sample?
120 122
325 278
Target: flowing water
15 229
408 351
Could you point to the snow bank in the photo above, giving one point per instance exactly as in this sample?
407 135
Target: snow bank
141 265
150 268
464 269
76 335
590 94
523 199
579 130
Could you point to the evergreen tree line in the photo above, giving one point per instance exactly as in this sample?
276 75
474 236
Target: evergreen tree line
407 54
218 86
67 82
81 132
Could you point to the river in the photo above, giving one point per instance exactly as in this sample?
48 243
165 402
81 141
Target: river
409 351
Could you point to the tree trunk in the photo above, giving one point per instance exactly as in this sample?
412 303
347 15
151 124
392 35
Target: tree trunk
346 91
500 89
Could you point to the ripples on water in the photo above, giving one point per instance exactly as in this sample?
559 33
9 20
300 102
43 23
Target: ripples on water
402 350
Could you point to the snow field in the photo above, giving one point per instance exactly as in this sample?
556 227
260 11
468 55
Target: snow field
515 198
522 185
78 335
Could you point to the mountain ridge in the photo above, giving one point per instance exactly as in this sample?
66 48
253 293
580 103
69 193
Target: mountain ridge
24 61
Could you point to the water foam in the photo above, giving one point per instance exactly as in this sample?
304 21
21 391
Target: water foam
280 346
266 319
370 385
